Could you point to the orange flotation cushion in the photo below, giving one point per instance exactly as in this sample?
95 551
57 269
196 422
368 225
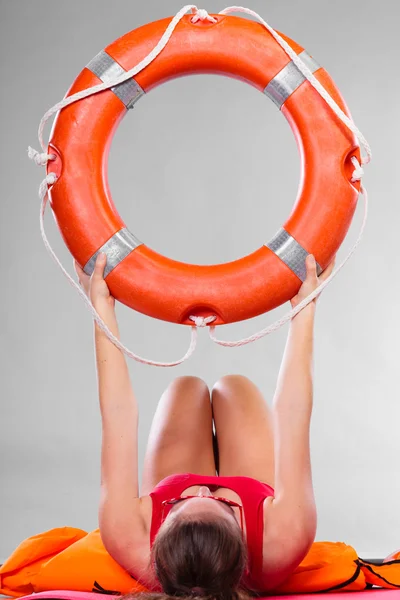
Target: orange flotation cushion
71 559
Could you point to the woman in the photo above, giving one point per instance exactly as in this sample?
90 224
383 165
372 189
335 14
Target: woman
191 532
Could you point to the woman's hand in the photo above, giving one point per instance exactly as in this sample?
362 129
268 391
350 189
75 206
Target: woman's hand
312 281
95 286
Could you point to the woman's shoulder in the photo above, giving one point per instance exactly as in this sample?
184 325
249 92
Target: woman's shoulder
284 544
136 527
132 550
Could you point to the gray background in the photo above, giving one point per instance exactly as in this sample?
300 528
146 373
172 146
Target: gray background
204 170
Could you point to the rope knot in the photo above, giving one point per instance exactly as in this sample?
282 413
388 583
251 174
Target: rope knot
40 159
358 170
48 180
202 321
202 15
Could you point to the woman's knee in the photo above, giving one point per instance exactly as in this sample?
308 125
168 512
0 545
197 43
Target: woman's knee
188 382
234 389
232 383
188 387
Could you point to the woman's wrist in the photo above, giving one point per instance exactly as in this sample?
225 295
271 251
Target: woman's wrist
107 313
104 307
301 335
306 316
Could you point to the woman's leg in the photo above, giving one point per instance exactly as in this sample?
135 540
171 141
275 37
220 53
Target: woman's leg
243 424
181 437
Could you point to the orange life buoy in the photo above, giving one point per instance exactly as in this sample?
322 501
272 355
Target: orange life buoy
171 290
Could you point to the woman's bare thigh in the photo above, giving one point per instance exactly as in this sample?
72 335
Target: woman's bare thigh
243 424
181 435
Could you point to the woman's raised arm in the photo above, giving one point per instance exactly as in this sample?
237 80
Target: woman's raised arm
293 512
119 502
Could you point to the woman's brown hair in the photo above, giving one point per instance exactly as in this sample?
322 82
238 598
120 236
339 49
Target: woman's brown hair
199 559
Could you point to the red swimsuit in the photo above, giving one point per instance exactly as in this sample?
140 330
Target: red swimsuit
252 494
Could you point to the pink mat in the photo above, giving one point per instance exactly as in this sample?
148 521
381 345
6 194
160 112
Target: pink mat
374 594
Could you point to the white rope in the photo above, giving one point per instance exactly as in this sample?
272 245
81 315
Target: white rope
124 76
303 303
356 176
202 15
311 78
358 171
41 159
43 194
202 321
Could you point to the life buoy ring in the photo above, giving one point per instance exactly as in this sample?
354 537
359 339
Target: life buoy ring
167 289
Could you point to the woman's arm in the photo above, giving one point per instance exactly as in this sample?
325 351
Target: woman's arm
292 408
290 519
292 514
119 514
119 450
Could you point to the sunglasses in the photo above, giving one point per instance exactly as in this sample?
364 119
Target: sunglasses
230 503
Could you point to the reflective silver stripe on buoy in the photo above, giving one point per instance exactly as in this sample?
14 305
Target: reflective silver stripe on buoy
291 253
282 86
116 248
106 68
